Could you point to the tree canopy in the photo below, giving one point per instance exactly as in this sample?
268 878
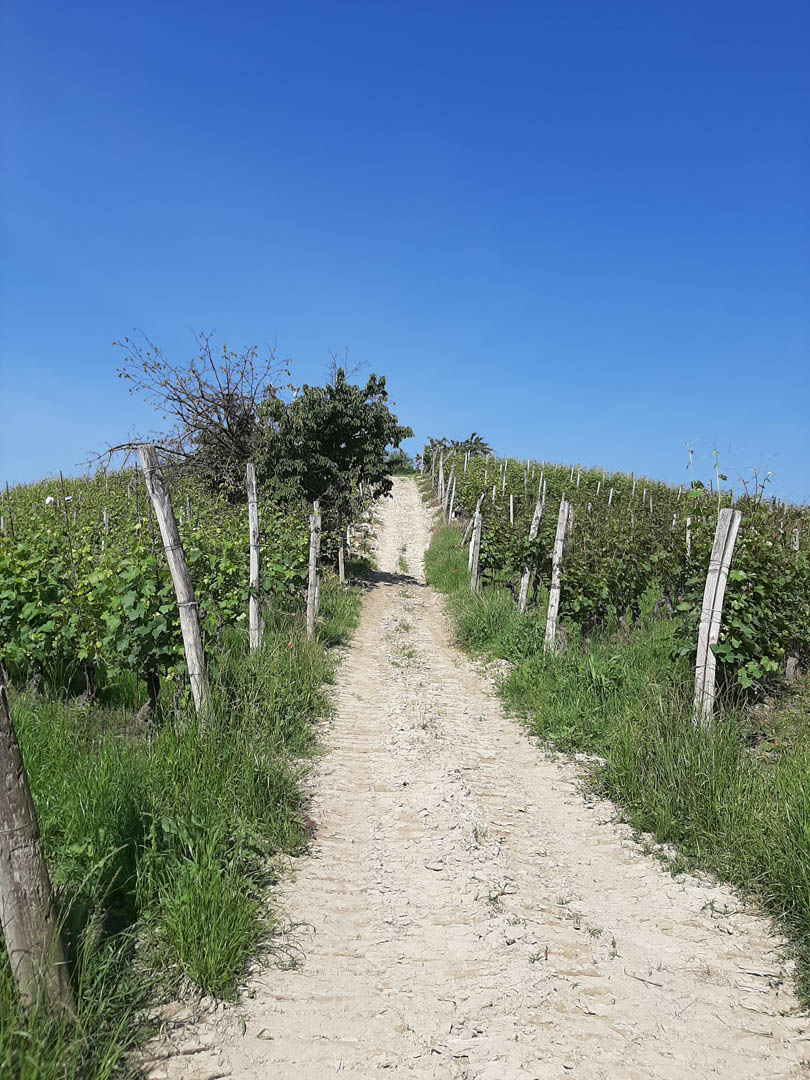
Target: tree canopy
330 439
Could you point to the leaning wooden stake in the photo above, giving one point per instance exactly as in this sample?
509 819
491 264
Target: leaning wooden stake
254 603
725 536
448 489
471 522
475 552
181 579
556 562
312 581
27 910
452 500
527 569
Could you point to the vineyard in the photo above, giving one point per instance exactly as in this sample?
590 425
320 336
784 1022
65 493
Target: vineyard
157 823
164 814
87 602
630 542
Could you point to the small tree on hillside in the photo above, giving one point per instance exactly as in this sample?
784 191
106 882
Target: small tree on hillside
330 439
212 400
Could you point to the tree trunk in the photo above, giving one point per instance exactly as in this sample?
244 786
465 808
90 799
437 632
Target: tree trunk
27 910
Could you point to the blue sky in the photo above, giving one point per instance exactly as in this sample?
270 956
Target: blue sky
581 229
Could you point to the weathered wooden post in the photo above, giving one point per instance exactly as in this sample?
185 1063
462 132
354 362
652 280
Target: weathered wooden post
312 579
447 491
341 554
27 910
254 603
452 500
725 536
181 579
525 578
475 552
556 562
469 525
511 509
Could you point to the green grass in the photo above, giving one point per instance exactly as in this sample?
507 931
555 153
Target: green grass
160 848
734 799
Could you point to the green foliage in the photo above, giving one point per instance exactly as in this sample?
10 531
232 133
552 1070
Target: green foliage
75 594
158 847
399 463
629 543
330 439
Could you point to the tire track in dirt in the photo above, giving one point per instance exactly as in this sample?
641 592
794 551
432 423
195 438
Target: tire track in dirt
465 913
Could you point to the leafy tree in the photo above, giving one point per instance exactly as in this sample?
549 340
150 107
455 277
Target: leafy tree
474 445
331 439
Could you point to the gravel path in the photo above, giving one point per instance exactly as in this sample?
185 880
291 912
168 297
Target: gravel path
465 913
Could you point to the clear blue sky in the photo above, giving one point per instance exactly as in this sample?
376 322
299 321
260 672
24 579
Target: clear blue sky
581 229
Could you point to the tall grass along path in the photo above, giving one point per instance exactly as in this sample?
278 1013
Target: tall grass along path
465 912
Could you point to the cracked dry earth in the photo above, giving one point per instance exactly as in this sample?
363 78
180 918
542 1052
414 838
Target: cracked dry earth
466 913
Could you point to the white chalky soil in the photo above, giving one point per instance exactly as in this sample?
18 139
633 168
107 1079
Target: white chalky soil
464 913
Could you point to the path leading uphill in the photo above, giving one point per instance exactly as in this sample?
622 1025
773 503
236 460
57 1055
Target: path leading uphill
465 913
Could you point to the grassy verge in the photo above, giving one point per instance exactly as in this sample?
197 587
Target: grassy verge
734 799
161 848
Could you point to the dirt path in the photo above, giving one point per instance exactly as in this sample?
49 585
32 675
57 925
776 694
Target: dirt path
465 914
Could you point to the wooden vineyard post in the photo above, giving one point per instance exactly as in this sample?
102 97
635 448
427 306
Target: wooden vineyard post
312 580
254 603
441 479
341 553
452 500
511 509
181 579
556 562
725 536
470 523
27 910
475 551
527 569
448 488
